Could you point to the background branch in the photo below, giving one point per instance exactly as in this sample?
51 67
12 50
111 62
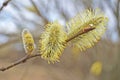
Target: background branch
38 11
4 4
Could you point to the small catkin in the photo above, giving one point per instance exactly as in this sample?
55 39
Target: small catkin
52 42
83 22
28 41
96 68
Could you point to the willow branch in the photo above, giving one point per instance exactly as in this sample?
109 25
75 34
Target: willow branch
26 57
4 4
22 60
80 33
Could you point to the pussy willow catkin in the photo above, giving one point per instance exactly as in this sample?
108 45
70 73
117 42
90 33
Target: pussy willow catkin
82 32
52 42
28 41
81 23
96 68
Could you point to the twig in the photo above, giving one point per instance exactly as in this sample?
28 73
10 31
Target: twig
85 31
25 58
22 60
38 11
4 4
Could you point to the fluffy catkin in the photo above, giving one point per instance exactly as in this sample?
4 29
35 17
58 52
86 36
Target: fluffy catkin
86 20
52 42
28 41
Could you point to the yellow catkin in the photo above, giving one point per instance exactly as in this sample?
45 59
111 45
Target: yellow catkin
88 19
52 42
28 41
96 68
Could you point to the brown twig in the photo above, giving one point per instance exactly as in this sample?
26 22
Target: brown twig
22 60
4 4
25 58
85 31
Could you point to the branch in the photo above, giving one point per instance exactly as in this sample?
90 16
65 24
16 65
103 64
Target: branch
26 57
22 60
38 12
84 31
4 4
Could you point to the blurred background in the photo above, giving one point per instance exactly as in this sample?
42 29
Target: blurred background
33 15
